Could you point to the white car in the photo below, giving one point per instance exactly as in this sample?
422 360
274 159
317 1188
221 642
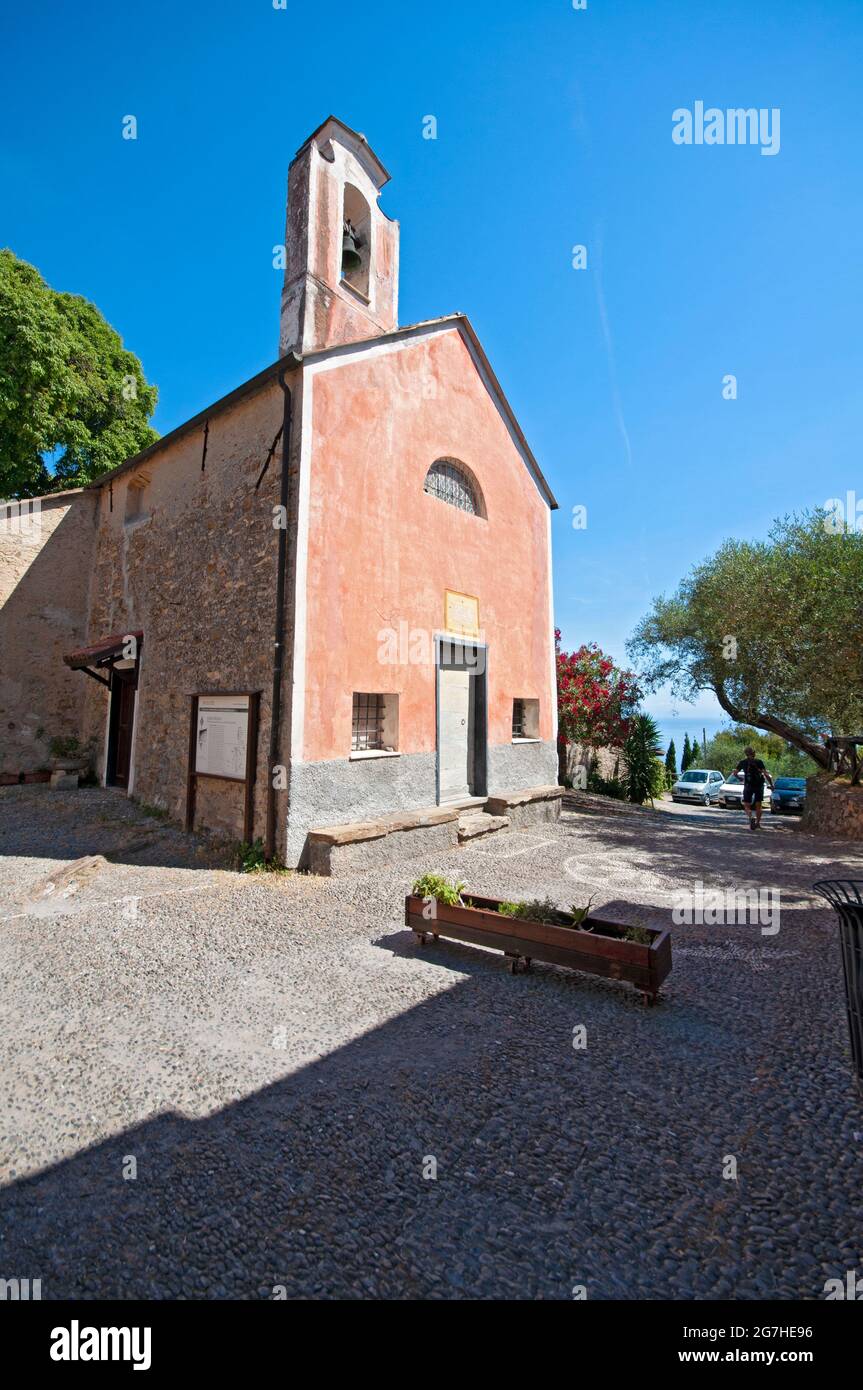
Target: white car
698 785
731 792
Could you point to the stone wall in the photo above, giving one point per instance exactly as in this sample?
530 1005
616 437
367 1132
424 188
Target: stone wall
833 808
44 571
196 571
581 761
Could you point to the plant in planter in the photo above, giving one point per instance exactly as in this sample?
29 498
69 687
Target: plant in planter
540 930
439 888
544 910
68 754
535 910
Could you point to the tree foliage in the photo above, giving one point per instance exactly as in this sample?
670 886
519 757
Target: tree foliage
671 765
69 390
772 628
726 749
594 698
686 759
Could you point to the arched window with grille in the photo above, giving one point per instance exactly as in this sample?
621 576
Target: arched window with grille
451 482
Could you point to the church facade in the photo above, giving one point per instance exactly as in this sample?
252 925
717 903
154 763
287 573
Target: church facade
324 600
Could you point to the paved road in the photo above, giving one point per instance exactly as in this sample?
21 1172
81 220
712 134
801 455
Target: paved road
217 1086
718 815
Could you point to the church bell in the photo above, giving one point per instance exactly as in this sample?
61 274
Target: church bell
351 259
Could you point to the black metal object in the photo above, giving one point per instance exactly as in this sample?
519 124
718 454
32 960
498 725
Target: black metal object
846 896
272 450
448 481
367 729
94 675
351 243
518 718
206 437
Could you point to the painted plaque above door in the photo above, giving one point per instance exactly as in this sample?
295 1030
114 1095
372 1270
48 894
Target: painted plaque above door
461 613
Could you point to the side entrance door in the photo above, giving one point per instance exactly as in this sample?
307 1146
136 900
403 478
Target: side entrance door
120 730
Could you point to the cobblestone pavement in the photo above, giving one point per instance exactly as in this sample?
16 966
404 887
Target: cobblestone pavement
276 1060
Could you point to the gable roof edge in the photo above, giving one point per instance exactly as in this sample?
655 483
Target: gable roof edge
480 361
494 387
293 361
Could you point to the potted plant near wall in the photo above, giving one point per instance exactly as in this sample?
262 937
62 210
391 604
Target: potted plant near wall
69 755
540 930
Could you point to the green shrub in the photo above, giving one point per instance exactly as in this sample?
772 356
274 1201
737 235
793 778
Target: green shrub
658 783
606 786
435 886
251 859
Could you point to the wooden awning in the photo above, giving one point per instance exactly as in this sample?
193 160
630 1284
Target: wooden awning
103 652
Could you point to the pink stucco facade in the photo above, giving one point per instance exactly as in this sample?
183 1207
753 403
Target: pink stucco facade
381 552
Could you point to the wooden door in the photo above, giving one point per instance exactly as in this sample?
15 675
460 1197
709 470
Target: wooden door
124 694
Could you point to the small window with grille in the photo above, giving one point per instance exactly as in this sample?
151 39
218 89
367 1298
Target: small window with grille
518 719
368 723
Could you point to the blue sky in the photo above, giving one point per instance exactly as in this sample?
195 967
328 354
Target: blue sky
554 129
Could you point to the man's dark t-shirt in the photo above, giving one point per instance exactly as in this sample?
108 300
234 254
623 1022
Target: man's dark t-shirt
753 771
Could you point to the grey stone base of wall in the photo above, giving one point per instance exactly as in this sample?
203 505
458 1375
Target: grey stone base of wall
394 848
833 808
359 846
537 811
514 765
342 791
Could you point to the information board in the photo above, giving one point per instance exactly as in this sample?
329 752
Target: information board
222 735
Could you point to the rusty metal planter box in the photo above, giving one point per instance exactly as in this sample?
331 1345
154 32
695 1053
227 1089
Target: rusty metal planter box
644 966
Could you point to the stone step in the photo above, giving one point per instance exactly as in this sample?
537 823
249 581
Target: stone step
473 823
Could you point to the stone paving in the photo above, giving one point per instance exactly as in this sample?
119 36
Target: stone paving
279 1062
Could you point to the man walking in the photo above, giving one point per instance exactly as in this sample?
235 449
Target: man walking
754 776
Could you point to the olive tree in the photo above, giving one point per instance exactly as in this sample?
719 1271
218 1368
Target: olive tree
772 628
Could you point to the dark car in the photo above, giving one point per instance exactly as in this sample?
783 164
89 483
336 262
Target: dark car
789 795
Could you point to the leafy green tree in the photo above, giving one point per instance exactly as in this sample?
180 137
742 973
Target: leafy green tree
658 784
727 748
695 756
69 390
671 765
641 750
686 759
772 628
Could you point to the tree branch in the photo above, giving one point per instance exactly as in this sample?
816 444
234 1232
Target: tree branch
816 751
